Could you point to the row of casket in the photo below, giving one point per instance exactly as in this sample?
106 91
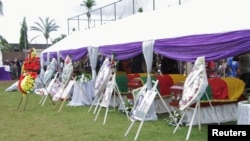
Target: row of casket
223 93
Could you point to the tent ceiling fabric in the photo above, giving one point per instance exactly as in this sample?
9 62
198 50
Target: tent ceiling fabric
213 46
213 28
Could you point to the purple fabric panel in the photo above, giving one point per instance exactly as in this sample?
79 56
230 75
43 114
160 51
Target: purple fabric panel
52 55
75 54
5 75
45 56
123 51
212 46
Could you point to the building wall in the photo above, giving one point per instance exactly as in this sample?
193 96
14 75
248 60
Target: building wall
10 56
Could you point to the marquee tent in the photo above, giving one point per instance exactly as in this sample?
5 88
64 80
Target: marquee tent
214 28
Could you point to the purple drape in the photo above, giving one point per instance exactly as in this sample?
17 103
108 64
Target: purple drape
212 46
123 51
51 55
187 48
75 54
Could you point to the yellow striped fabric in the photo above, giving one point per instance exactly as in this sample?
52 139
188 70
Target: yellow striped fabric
235 87
177 78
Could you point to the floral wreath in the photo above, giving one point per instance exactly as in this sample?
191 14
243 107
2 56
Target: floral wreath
30 69
67 70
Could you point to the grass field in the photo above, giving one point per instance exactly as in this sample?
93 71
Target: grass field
45 123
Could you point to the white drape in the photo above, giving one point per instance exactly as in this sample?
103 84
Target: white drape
1 59
82 94
48 58
147 48
93 54
243 113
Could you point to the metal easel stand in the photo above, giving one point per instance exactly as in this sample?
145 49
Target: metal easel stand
82 91
64 95
96 101
197 108
113 90
24 100
141 112
44 97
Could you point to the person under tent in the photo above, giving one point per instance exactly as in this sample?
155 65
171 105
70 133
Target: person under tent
136 64
169 66
244 68
232 67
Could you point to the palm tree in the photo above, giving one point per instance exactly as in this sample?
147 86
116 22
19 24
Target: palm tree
45 27
88 4
1 8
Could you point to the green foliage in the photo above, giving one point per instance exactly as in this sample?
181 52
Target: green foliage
140 10
1 8
247 95
176 118
4 45
23 41
59 38
88 4
84 77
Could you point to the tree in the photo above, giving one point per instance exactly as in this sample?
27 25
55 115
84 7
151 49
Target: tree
140 10
88 4
1 8
59 38
23 41
45 27
4 45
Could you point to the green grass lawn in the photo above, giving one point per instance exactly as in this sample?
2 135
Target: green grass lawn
45 123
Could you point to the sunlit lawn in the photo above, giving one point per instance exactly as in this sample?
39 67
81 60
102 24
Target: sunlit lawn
45 123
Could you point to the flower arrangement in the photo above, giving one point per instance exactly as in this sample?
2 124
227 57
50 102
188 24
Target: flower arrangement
32 62
51 69
195 84
67 71
113 62
128 107
27 82
30 68
158 65
247 95
83 78
176 118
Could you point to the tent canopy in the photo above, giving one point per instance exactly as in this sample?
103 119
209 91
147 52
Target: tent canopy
215 29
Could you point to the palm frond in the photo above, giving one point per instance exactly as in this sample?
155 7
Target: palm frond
1 8
34 38
45 27
88 4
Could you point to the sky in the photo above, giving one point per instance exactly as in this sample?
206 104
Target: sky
59 10
16 10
